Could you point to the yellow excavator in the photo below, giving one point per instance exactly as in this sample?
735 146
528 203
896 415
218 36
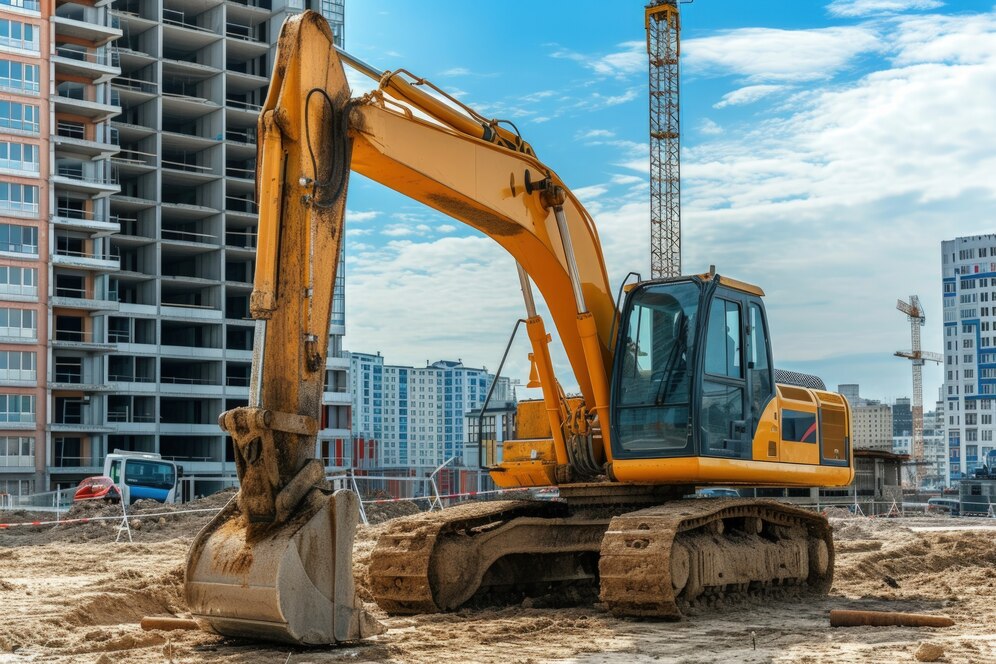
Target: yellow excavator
677 391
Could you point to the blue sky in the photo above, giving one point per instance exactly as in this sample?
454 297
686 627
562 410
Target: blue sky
828 148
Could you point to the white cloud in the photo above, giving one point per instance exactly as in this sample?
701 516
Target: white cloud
629 60
595 133
767 54
747 95
626 179
447 228
587 194
456 71
838 206
852 8
709 127
358 217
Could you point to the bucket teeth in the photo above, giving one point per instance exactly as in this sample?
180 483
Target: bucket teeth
292 582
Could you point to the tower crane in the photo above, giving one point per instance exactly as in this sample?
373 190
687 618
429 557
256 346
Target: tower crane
663 26
914 312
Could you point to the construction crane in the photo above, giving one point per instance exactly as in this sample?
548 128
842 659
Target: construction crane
914 312
664 47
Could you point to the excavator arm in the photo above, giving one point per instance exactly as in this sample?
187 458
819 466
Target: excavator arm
285 531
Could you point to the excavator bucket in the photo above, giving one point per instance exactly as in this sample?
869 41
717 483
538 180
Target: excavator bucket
291 582
276 563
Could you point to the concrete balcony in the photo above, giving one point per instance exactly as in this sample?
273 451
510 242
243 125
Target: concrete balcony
134 91
85 261
70 139
72 340
76 220
84 468
75 101
336 363
84 180
337 398
181 428
84 426
97 66
71 298
75 382
83 24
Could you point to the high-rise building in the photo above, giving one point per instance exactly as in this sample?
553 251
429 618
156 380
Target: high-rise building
850 391
127 232
417 415
968 270
56 61
902 418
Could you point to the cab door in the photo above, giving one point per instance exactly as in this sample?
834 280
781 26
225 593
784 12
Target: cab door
724 429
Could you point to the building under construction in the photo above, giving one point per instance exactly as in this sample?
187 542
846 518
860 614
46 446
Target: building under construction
128 219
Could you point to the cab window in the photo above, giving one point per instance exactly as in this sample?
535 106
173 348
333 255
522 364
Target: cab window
723 340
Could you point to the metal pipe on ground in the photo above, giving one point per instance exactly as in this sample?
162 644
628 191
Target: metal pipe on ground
846 618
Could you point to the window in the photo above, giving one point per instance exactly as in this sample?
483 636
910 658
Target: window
17 451
22 281
723 340
18 365
18 239
19 156
20 117
16 34
31 5
17 408
652 381
18 76
18 198
761 388
19 323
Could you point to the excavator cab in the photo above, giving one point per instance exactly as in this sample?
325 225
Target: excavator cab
693 371
694 395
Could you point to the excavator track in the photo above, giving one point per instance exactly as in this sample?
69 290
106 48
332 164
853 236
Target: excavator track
657 561
439 560
650 562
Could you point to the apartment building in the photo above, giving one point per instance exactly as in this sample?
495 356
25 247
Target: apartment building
872 426
127 232
417 415
968 270
55 143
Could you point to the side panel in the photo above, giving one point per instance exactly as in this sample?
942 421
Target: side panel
707 470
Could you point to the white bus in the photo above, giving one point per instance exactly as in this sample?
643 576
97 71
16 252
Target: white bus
142 475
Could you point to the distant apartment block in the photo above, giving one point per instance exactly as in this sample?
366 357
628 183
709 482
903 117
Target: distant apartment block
902 417
127 232
968 270
872 426
417 415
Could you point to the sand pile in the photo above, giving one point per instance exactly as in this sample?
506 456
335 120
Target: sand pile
68 602
154 520
381 512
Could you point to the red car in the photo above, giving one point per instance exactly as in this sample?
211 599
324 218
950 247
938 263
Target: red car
99 487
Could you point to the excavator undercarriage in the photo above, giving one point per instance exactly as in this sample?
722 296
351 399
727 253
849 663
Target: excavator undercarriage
653 561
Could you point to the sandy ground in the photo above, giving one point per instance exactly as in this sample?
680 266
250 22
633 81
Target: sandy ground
71 594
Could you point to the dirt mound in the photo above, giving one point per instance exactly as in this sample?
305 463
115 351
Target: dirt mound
154 521
381 512
909 565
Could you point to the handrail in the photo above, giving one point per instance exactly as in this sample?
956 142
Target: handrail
183 166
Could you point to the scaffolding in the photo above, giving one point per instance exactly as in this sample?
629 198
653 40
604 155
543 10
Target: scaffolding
663 48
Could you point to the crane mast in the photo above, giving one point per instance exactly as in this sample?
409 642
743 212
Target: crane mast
914 312
663 47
